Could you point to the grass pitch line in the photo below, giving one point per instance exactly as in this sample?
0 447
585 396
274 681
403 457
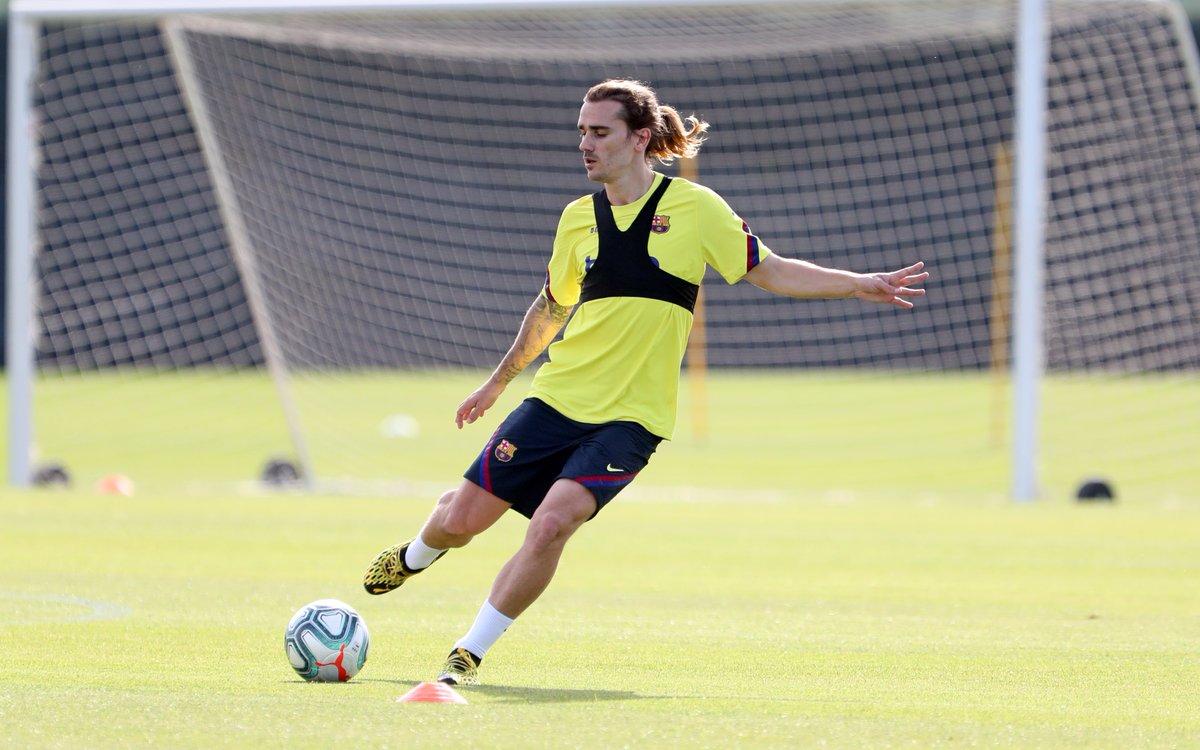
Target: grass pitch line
28 604
667 495
394 488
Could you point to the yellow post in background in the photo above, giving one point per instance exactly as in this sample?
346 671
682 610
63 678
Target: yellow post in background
697 349
1001 292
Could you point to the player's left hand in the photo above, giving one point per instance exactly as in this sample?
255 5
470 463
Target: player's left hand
892 288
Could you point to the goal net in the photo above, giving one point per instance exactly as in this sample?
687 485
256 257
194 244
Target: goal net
363 205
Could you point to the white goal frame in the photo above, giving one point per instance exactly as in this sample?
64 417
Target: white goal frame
1029 188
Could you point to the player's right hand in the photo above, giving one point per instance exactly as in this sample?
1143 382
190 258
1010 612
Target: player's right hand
477 404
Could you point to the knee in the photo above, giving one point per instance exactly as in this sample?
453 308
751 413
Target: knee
551 530
452 520
446 499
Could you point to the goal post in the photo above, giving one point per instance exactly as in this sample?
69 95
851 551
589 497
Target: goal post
324 191
1032 53
242 250
20 244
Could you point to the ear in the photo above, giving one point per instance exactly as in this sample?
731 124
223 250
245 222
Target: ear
643 139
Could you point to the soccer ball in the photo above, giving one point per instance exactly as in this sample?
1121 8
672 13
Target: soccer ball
327 641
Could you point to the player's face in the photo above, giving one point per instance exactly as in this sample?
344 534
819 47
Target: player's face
610 149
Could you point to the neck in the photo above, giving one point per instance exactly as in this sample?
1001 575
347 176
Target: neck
628 188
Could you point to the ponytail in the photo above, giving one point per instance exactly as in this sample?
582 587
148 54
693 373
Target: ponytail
675 139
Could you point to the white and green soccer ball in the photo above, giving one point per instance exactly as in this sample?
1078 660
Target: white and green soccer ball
327 641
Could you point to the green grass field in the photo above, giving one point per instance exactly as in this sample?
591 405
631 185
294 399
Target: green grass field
762 586
903 435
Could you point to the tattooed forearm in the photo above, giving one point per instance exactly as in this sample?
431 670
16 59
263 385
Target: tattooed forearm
558 313
542 323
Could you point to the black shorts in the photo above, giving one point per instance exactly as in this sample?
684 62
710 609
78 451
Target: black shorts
536 446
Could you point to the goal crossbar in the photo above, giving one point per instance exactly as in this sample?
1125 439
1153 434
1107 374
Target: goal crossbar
76 9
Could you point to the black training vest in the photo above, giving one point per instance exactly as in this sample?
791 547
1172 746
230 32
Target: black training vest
623 267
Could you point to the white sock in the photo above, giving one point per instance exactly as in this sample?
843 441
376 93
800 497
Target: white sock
488 627
420 555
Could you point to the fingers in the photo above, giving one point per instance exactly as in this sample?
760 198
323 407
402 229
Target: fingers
468 411
898 294
902 281
896 297
892 288
909 276
468 416
473 408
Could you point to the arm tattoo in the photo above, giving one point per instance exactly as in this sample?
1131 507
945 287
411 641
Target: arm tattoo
558 313
542 323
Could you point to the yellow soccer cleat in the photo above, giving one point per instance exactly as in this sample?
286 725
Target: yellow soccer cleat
388 572
461 668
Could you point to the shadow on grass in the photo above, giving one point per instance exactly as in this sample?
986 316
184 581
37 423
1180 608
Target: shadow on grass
507 694
516 694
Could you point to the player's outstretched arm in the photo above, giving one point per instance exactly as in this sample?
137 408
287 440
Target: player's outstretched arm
542 323
798 278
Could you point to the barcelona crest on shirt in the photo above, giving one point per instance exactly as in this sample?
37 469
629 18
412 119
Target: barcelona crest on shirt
660 224
505 451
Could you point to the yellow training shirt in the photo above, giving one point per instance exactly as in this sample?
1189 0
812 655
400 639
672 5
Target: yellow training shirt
619 357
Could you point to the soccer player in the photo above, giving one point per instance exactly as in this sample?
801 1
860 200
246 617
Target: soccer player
628 260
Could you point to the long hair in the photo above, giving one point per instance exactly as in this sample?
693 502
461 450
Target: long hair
670 138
